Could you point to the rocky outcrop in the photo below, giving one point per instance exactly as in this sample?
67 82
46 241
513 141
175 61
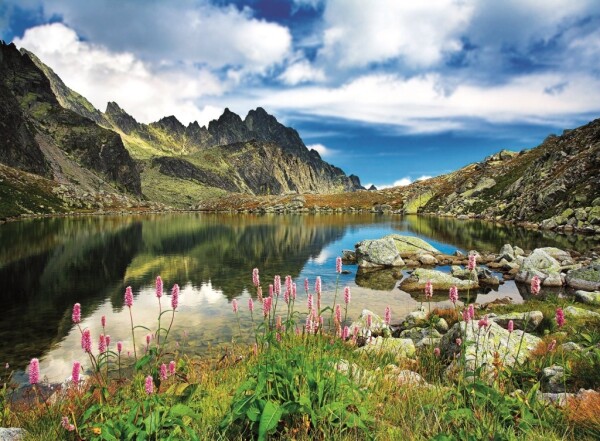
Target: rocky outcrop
587 279
378 253
440 281
543 265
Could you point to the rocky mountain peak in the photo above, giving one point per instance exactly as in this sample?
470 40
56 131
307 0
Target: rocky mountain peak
170 123
120 119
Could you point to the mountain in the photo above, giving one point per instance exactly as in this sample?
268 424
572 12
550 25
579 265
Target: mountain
555 185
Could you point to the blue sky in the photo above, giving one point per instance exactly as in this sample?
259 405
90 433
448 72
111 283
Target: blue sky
389 90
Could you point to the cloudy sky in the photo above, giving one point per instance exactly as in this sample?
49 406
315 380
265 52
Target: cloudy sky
389 90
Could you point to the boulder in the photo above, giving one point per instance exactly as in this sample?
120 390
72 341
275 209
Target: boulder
404 377
378 253
410 245
377 327
589 298
539 263
441 281
417 334
587 279
348 257
12 434
399 348
480 344
506 252
427 259
532 318
575 312
553 378
563 257
414 319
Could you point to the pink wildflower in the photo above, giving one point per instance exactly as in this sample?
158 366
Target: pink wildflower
255 277
428 290
267 306
163 372
103 321
119 346
552 345
306 285
459 341
560 317
345 333
75 372
466 315
250 305
472 261
271 290
149 385
234 306
338 265
66 425
369 321
76 313
159 287
388 315
436 352
175 296
310 302
128 297
535 285
347 296
102 344
278 336
286 297
288 283
172 367
471 310
86 341
294 291
148 338
484 322
338 313
309 324
453 295
511 326
277 285
355 332
318 285
34 371
278 322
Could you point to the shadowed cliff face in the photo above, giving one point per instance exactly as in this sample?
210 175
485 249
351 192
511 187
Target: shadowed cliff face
35 128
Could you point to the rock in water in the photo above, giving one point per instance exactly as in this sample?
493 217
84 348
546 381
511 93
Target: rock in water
378 253
409 245
541 264
440 281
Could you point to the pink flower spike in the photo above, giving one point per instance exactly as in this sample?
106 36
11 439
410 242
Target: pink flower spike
286 297
511 326
128 297
428 289
234 306
163 372
66 425
103 321
159 287
107 341
271 290
466 315
310 302
175 296
306 285
347 296
86 341
388 315
472 262
552 345
338 313
149 385
560 317
471 310
338 265
277 285
318 285
288 283
172 367
294 292
75 372
76 313
369 321
148 339
484 322
453 295
119 346
102 344
34 371
535 285
345 333
250 305
436 352
255 277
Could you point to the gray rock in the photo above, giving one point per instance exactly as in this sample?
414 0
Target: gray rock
427 259
507 252
532 318
480 344
417 334
441 325
441 281
538 263
589 298
378 325
404 377
428 342
553 378
570 346
410 245
348 257
12 434
378 253
414 319
400 348
518 251
563 257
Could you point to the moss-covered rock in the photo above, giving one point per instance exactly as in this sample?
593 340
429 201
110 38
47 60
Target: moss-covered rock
399 348
378 253
587 297
587 279
409 245
575 312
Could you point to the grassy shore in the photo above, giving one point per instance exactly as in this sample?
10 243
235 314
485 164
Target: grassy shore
304 379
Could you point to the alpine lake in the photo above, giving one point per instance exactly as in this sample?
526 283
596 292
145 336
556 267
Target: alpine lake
48 264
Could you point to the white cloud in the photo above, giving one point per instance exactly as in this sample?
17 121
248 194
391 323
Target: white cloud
301 72
325 152
403 182
101 76
193 31
358 33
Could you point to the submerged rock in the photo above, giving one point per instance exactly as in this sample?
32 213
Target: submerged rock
439 279
381 279
377 253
